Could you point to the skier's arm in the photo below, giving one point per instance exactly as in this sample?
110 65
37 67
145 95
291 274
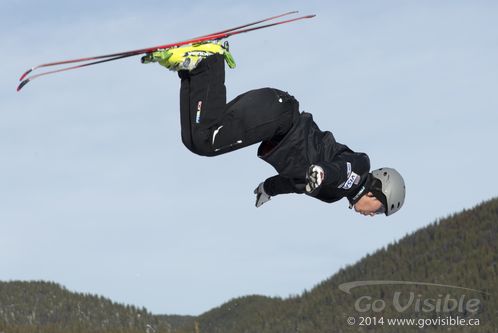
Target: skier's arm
282 185
277 185
346 174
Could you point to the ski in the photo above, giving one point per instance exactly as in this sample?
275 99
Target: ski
120 55
31 78
63 62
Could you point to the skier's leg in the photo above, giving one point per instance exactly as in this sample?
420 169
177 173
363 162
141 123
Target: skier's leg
202 102
211 127
265 114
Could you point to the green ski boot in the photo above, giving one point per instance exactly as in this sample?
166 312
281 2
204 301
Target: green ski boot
189 56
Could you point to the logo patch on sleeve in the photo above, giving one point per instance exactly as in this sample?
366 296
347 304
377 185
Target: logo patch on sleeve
353 179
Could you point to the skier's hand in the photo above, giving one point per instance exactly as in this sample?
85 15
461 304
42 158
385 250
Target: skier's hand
261 195
314 178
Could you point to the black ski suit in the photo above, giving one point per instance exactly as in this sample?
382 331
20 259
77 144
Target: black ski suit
290 141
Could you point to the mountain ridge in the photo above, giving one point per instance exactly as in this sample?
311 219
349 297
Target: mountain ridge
459 250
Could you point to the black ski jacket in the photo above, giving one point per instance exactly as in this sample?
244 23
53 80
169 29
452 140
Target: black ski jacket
305 144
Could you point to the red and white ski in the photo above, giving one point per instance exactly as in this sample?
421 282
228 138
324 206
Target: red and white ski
88 61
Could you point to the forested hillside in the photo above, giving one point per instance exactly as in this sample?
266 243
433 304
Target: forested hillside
39 306
461 250
449 270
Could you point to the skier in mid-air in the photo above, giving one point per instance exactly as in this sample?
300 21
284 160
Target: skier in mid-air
307 159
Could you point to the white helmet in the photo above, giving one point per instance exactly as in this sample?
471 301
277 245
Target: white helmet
392 188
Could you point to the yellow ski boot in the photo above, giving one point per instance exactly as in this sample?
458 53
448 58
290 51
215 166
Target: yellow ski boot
189 56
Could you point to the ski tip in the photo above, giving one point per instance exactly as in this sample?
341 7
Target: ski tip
25 74
22 84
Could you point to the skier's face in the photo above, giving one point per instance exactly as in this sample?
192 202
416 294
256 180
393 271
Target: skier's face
369 205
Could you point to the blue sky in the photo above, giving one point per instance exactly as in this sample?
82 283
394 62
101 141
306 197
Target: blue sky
98 193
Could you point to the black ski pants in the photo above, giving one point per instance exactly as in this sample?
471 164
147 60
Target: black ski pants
212 127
